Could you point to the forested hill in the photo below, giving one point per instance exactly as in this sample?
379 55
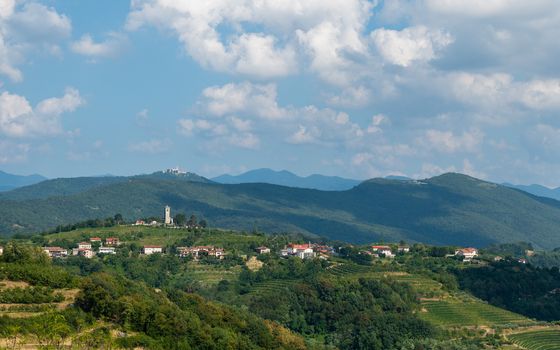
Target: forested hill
448 209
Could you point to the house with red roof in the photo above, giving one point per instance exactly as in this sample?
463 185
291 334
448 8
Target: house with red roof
467 253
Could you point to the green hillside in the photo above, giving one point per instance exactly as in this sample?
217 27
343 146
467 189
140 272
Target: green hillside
449 209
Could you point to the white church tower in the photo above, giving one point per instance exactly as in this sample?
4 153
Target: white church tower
168 220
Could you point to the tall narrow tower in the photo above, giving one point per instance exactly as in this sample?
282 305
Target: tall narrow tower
167 215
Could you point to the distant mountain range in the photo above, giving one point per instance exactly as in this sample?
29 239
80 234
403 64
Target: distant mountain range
11 181
538 190
286 178
447 209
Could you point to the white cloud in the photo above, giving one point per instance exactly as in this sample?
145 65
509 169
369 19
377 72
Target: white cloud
500 91
286 29
410 44
29 28
110 47
449 142
19 119
541 94
256 99
257 55
376 122
305 135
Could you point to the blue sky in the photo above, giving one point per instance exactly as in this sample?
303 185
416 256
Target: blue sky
353 88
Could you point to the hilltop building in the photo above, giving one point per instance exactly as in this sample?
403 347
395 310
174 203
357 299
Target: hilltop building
175 171
167 215
1 250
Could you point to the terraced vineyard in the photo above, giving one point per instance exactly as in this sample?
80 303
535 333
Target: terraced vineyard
209 275
348 269
537 340
19 310
452 313
272 286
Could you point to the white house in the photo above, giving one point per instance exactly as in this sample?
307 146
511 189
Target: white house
302 251
112 241
403 249
95 240
107 250
467 253
152 249
86 253
1 250
84 245
263 250
55 252
383 249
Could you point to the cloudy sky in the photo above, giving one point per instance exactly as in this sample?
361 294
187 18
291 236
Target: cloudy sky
353 88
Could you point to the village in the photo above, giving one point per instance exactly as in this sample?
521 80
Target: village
97 246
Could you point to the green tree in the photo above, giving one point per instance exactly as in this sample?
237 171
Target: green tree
192 221
118 219
180 219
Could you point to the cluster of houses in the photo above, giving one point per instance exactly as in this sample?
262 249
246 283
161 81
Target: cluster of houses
199 251
305 251
85 249
385 251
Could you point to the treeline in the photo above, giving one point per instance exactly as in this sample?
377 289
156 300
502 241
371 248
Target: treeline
92 223
525 289
348 314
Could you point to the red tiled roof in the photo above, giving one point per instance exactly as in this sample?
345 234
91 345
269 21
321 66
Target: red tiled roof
299 246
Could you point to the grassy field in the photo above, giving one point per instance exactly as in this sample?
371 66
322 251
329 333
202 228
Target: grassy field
548 339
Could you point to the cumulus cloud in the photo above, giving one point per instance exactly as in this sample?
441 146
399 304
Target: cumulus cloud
221 107
244 97
499 90
110 47
30 27
411 44
19 119
290 32
449 142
